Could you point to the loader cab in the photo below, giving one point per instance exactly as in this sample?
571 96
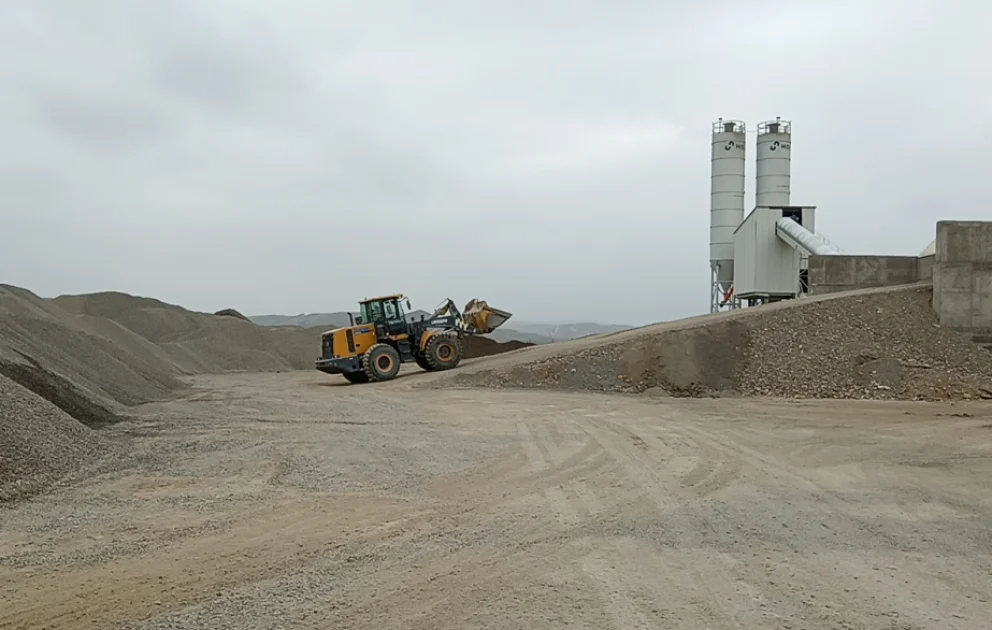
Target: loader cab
385 312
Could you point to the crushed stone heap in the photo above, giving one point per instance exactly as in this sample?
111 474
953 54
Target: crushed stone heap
883 344
76 363
478 346
230 312
40 443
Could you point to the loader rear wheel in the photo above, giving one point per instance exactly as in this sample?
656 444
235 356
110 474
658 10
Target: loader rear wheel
443 352
381 362
356 377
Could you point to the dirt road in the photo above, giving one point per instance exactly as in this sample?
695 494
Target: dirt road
288 501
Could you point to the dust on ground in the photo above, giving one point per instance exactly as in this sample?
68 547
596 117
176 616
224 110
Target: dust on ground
287 500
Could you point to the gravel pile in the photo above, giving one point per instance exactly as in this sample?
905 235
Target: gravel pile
476 346
78 362
230 312
879 345
882 345
198 343
597 369
119 349
40 443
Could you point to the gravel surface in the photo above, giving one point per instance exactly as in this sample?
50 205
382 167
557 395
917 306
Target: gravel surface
882 344
39 443
286 501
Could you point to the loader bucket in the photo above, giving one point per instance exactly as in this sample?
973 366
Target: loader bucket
483 317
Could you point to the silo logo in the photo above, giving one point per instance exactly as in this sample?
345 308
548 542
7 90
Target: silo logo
786 146
730 145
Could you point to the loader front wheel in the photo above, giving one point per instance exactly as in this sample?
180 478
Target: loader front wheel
422 362
443 352
381 362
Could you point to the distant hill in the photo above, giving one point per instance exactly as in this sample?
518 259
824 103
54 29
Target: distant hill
532 332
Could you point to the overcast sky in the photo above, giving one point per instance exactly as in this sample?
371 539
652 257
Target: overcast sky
551 157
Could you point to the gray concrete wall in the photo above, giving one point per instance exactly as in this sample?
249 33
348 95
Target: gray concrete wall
828 274
926 268
962 277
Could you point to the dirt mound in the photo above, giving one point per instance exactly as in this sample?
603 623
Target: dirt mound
79 361
476 346
58 391
199 342
39 443
118 348
881 344
884 345
230 312
104 362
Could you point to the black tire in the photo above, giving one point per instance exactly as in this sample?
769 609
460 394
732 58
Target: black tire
422 362
356 377
381 362
443 352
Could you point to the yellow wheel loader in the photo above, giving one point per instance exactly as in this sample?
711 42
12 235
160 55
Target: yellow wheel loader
381 338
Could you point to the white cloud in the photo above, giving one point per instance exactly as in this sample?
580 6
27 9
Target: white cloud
580 148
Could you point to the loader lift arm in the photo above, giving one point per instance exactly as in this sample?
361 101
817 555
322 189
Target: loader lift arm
478 317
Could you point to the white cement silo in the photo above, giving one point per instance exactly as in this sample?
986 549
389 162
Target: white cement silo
773 170
728 163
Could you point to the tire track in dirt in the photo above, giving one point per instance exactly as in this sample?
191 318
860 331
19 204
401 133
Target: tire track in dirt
707 471
597 561
433 589
442 585
565 509
512 475
265 543
713 593
409 568
915 572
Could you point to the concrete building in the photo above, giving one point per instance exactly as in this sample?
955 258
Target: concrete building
962 277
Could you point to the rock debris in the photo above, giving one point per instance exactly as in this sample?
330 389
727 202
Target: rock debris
884 345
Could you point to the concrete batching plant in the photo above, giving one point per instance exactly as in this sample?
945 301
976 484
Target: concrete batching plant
762 257
775 253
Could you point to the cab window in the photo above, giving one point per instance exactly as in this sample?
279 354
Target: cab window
371 312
